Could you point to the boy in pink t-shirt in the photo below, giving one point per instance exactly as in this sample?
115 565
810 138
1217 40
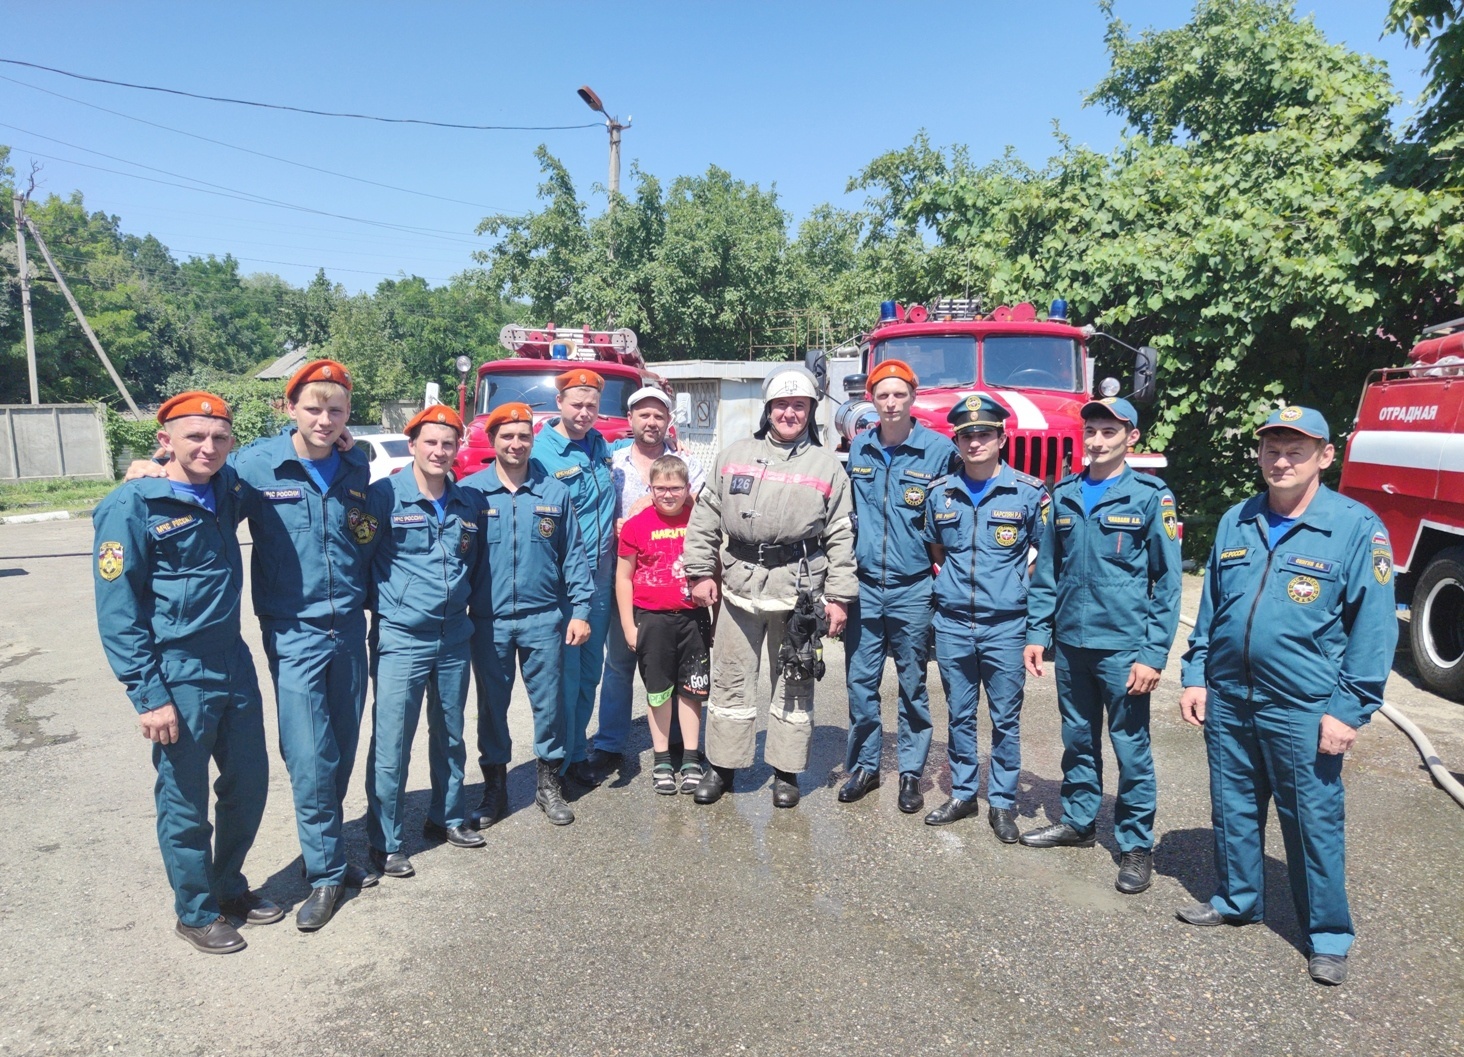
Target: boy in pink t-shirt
670 635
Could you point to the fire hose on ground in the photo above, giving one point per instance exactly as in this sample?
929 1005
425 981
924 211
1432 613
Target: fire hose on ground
1441 775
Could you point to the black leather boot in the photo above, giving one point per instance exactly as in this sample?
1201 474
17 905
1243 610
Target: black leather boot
550 795
494 804
714 783
785 789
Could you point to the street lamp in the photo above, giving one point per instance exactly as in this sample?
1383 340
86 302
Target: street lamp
464 365
613 124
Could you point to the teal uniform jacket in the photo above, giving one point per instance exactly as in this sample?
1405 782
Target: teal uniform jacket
1109 580
532 558
421 573
169 579
1311 622
591 488
890 502
987 547
312 552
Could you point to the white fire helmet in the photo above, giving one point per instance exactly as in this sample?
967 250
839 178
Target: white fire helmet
790 379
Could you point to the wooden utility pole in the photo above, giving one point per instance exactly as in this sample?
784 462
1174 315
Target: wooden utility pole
81 318
25 304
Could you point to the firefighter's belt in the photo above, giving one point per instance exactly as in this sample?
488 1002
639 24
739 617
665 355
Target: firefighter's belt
773 555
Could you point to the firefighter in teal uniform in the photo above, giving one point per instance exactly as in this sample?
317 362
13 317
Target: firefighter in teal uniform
1289 656
891 467
570 450
168 580
1105 594
313 543
420 638
985 522
531 567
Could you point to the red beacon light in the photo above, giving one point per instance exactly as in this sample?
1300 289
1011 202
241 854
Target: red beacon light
581 343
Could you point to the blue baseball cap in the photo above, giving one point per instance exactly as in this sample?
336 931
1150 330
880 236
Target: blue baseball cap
1301 419
977 411
1112 407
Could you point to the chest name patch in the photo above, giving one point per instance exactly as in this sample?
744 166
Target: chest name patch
943 516
1234 554
1005 515
169 528
409 520
548 509
568 472
918 475
1123 520
355 494
861 471
1065 521
284 495
1310 565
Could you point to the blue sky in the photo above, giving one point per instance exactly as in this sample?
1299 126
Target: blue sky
797 96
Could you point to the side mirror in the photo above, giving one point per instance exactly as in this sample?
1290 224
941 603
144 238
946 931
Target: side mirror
854 384
1146 375
817 362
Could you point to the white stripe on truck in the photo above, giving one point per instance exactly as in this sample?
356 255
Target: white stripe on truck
1416 451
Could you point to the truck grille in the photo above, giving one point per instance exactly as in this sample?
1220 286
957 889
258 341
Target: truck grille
1043 456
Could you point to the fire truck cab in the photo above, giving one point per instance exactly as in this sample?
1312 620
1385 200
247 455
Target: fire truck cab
1039 369
1405 460
539 355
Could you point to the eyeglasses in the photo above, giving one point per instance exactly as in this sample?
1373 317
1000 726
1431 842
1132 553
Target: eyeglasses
670 489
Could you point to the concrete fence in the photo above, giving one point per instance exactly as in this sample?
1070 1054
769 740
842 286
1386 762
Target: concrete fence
53 440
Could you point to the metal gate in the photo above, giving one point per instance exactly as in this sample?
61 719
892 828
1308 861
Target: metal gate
699 436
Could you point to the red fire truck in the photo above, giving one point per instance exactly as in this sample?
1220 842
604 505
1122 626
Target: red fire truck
1039 369
540 354
1405 460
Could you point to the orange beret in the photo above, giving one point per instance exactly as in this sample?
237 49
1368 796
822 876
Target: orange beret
318 371
194 403
438 415
580 377
508 413
891 369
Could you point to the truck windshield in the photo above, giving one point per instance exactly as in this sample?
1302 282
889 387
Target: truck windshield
939 361
536 388
1029 361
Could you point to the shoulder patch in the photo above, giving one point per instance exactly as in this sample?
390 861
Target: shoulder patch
1027 478
109 560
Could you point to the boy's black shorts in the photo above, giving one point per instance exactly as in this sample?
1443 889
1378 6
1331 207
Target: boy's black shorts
674 650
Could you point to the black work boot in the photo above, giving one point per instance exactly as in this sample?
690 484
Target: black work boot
494 804
714 783
785 788
550 795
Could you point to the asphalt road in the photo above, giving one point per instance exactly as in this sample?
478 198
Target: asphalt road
652 926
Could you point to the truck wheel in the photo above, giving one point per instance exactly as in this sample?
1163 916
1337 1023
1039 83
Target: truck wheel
1436 624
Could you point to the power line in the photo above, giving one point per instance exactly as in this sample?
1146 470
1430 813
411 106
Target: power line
301 109
247 150
245 196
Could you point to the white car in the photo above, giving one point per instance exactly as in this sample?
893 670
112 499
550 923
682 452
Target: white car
387 452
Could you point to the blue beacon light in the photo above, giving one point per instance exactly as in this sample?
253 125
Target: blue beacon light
1058 312
887 312
558 352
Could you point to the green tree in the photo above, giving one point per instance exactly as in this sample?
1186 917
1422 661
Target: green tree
1250 227
1437 26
